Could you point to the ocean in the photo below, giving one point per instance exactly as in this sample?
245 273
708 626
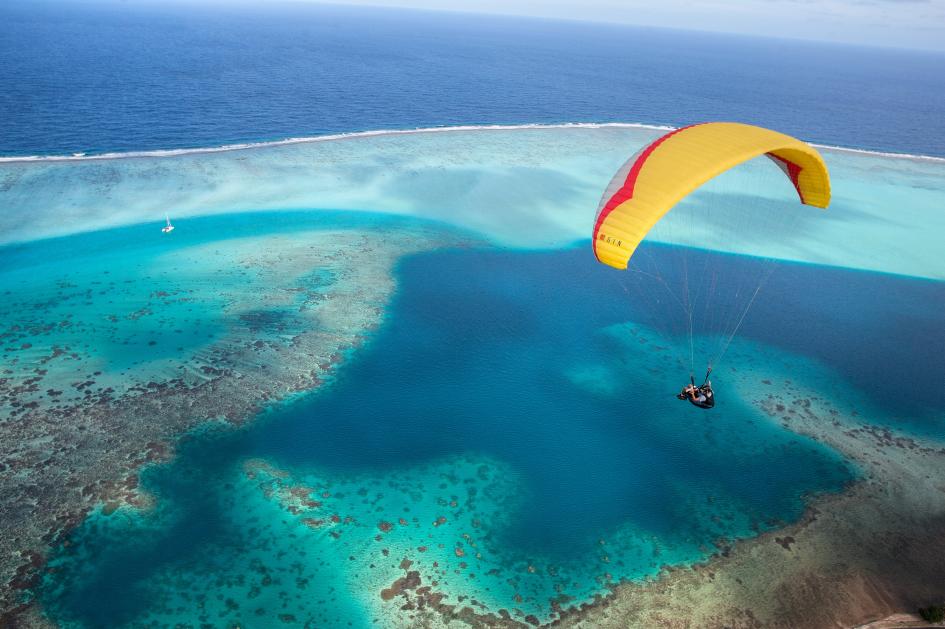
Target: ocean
389 351
98 77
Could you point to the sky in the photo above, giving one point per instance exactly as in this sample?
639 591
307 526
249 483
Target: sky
895 23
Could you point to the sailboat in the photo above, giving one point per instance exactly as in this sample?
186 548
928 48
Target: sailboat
167 228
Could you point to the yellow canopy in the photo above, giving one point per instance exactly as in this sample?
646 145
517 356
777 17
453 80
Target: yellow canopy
658 177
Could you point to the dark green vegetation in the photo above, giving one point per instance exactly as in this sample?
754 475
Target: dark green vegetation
932 613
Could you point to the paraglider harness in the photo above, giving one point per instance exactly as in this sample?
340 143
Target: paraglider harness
705 389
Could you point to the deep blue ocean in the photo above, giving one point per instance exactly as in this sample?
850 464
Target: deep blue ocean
98 77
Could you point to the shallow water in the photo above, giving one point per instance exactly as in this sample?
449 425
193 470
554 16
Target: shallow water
532 187
505 393
122 307
506 390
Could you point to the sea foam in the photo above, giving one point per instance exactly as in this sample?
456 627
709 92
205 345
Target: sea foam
241 146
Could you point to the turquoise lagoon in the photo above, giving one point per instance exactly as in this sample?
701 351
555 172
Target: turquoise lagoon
492 397
510 428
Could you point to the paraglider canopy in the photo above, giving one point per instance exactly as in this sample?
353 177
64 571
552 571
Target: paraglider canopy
696 290
664 172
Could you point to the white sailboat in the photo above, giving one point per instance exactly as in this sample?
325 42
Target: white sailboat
167 228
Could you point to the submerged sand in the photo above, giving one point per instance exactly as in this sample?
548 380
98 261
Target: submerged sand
525 187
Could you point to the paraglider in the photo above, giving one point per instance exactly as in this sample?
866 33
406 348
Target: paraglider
702 396
661 175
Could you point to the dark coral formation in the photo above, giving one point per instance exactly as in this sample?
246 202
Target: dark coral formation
424 605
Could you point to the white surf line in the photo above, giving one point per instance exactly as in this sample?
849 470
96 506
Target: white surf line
391 132
888 154
324 138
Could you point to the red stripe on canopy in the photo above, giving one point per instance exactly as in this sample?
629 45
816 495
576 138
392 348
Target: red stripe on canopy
792 170
626 190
